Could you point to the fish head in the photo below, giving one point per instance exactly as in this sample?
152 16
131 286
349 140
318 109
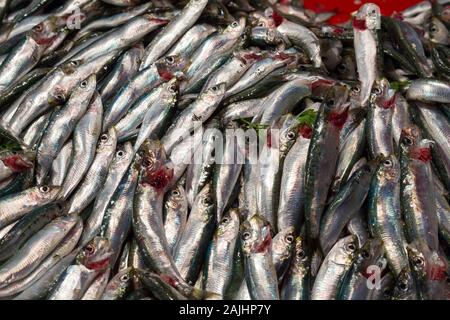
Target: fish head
368 255
236 28
438 32
256 235
414 146
96 254
170 90
88 84
301 258
214 94
335 105
107 140
205 202
389 169
228 227
172 66
156 170
45 32
283 242
425 263
176 198
344 251
367 17
57 96
70 66
123 154
46 192
382 95
18 161
122 280
404 286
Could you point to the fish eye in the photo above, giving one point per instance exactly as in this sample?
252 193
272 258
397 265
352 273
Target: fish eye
38 27
74 62
373 11
365 254
356 89
146 163
403 286
246 235
225 220
44 189
175 193
433 28
120 153
301 254
89 249
206 201
83 84
330 102
408 141
261 24
387 163
289 238
173 88
341 67
377 91
290 135
234 24
124 278
60 97
214 88
170 59
104 137
350 247
418 261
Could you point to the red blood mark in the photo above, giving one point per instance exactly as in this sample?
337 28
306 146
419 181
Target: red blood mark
160 178
321 82
387 104
98 265
422 154
277 18
44 41
438 270
359 24
251 57
269 138
17 164
282 56
165 74
158 20
169 280
305 131
264 245
398 16
338 119
338 30
286 2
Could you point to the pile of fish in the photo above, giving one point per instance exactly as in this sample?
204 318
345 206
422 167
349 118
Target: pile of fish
223 150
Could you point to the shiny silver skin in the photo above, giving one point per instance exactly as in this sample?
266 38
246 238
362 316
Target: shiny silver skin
85 137
429 90
96 175
219 264
191 40
175 214
117 170
61 126
61 164
173 31
15 206
260 273
384 213
333 269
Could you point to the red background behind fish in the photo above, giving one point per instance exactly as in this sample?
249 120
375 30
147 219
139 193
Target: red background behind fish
343 9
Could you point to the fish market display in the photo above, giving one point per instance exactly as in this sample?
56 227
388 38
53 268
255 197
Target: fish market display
223 150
